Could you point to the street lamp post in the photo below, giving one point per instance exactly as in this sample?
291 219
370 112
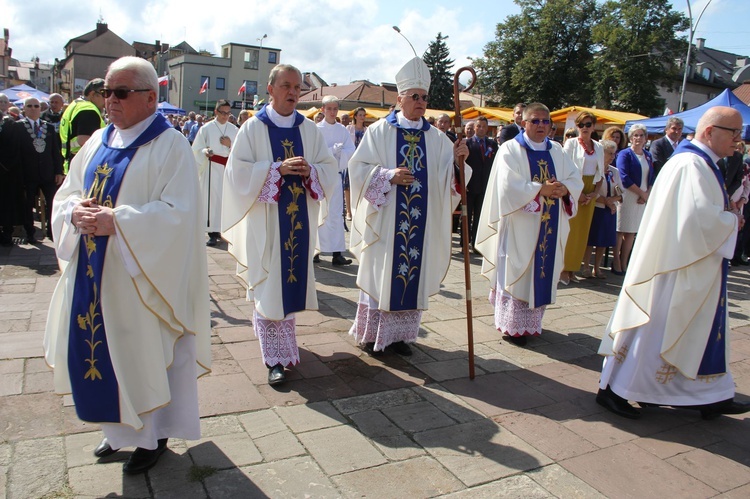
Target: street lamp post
397 30
693 28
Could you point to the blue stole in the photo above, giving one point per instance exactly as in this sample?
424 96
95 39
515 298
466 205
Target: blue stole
714 357
92 377
411 216
542 168
293 219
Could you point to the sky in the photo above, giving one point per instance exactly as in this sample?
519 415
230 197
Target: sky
341 40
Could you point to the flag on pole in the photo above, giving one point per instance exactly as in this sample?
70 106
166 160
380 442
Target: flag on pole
164 81
667 111
204 87
242 89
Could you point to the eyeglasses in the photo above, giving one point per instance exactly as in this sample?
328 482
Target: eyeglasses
735 131
120 93
539 122
416 97
224 113
33 105
588 124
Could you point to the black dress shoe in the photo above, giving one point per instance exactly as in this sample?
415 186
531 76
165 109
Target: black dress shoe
401 348
340 260
736 262
316 259
276 375
144 459
369 348
32 240
104 449
713 411
517 340
616 404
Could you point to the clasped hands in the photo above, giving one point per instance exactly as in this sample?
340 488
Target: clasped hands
89 217
553 189
295 166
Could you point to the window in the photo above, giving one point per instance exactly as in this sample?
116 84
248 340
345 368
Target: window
219 83
225 53
272 57
251 87
251 58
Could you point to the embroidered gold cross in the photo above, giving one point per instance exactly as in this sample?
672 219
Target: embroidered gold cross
666 374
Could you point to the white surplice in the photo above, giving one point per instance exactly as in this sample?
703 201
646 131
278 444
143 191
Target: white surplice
331 230
154 288
210 172
657 335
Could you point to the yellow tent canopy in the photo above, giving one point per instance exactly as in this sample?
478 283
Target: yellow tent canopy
497 113
603 116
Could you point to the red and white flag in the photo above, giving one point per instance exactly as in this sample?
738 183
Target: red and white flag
667 111
164 81
204 87
242 89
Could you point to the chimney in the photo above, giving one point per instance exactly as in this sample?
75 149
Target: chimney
101 28
700 43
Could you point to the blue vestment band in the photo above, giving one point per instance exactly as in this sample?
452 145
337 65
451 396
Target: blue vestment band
294 224
411 216
92 377
542 168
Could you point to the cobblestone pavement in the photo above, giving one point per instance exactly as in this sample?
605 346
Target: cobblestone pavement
347 425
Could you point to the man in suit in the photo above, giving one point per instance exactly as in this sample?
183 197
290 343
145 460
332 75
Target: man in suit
662 149
733 168
513 129
482 150
41 163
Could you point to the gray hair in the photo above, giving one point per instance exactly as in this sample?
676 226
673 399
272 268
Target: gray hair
144 74
675 121
534 107
280 68
635 128
608 145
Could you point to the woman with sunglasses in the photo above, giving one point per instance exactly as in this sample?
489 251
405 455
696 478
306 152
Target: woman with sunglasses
588 156
637 174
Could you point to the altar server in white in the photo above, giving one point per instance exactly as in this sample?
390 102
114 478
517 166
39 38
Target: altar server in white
531 196
128 330
403 193
278 172
211 148
331 230
667 340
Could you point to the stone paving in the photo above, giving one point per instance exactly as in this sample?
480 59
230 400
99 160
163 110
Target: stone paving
347 425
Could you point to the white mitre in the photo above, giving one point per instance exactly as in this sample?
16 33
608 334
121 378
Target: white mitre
414 74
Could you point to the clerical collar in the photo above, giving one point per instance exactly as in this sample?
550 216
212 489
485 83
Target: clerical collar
408 123
536 146
123 138
279 120
703 147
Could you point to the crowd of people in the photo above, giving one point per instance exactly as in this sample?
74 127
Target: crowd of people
280 188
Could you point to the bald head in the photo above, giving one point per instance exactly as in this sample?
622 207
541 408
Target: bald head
720 128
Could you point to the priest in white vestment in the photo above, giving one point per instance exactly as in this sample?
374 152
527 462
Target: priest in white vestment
128 330
278 172
531 196
211 148
667 340
331 230
403 194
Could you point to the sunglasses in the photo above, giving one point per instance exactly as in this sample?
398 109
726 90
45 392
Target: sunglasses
224 113
120 93
37 105
588 124
416 97
537 121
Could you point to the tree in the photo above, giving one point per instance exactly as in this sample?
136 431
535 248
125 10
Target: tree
441 87
637 54
541 54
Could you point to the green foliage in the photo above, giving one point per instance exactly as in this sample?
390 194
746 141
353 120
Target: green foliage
437 59
541 54
576 52
638 53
